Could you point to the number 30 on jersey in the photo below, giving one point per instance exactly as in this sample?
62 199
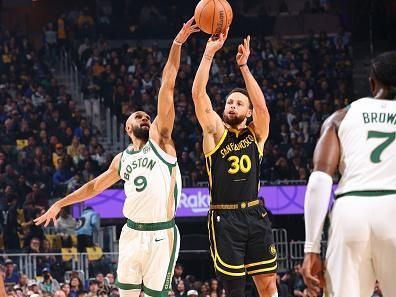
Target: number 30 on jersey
243 164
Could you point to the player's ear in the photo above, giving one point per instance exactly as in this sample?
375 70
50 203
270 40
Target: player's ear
249 113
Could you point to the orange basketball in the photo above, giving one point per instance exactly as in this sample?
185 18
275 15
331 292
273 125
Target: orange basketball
213 16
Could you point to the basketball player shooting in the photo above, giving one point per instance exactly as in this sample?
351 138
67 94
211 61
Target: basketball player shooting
152 187
359 141
239 229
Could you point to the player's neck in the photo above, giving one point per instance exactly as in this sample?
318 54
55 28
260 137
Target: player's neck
236 127
138 143
384 94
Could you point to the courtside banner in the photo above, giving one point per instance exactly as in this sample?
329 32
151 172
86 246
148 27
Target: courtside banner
194 202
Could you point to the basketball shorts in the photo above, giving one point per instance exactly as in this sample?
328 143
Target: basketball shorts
147 259
241 242
362 246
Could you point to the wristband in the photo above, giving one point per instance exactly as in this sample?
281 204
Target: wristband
177 42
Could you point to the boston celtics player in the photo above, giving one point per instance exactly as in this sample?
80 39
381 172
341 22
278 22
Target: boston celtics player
149 242
359 141
239 229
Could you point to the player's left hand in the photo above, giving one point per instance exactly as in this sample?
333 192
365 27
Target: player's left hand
313 274
243 51
186 31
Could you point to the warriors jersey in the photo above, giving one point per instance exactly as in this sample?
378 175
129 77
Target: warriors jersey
233 167
152 184
367 138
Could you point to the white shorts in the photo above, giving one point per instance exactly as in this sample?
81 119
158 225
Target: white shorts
147 259
362 246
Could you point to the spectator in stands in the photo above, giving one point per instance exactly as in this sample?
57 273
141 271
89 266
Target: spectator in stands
110 280
34 288
48 284
192 293
299 285
60 293
214 286
11 239
283 289
102 283
114 292
93 288
61 178
76 285
177 276
34 246
65 287
66 227
50 40
181 289
23 284
11 277
88 223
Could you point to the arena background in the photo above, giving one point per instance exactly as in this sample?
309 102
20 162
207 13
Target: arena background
310 58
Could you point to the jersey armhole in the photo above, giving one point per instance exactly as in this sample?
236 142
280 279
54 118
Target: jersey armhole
218 144
255 141
119 164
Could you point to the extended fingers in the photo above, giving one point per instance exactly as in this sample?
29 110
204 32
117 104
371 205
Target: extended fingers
190 21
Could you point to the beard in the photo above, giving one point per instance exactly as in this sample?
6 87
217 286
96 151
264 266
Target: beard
234 121
141 133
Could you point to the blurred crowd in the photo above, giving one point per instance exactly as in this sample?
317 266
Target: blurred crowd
304 80
289 283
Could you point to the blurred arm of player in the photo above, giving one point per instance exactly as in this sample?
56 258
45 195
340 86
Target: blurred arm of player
210 121
317 198
2 286
87 191
261 117
163 124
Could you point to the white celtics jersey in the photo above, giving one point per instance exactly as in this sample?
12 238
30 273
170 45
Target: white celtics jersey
368 147
152 184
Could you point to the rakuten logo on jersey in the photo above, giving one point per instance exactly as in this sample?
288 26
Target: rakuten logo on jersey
193 203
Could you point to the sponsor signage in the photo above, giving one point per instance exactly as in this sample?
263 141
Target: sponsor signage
194 202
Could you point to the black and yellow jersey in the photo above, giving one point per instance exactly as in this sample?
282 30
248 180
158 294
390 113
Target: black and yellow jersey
233 167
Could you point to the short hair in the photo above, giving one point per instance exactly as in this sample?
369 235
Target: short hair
242 91
383 68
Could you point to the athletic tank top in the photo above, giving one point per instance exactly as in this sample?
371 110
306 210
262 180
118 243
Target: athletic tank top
233 167
368 147
152 184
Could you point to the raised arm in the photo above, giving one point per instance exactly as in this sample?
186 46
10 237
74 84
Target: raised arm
166 111
87 191
207 117
261 117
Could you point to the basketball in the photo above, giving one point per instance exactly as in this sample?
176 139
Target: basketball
213 16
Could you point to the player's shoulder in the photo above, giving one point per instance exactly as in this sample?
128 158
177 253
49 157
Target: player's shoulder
335 119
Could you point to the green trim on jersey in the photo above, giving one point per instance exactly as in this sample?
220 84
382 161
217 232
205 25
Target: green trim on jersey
119 165
123 286
135 152
168 280
368 193
154 293
150 226
160 157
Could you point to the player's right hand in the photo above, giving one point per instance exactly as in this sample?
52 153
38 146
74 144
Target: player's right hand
216 42
187 30
313 274
51 214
